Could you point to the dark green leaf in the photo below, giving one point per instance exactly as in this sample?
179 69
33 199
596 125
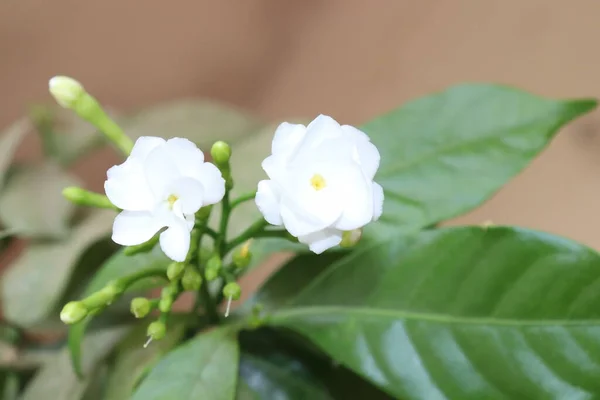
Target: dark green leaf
32 203
9 142
206 367
57 380
35 282
447 153
262 379
133 361
462 313
118 266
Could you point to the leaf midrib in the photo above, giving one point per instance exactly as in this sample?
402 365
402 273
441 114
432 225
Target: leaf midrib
283 315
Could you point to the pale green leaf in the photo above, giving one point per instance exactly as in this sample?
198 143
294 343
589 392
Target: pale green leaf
10 139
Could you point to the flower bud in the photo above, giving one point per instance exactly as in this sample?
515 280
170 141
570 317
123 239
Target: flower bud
232 291
73 312
205 255
213 266
140 307
157 330
191 279
165 304
204 212
66 91
174 270
351 238
84 197
221 153
242 257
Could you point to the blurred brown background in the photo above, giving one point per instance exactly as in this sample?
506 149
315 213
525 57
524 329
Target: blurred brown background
352 59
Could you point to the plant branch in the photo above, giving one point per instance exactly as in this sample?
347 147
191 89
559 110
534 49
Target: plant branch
242 199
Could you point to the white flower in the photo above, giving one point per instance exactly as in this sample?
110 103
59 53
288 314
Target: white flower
162 184
321 182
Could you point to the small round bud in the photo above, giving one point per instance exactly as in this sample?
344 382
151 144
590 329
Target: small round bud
232 291
191 279
205 255
165 304
73 312
66 91
140 307
351 238
221 153
213 266
174 270
157 330
242 257
114 289
204 212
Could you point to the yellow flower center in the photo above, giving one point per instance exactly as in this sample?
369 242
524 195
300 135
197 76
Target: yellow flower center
172 199
318 182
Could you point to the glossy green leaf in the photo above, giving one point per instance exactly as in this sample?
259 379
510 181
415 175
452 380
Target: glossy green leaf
201 121
56 380
118 266
462 313
35 282
133 361
447 153
205 367
10 139
32 203
263 379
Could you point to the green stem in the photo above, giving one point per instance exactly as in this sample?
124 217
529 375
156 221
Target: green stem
129 280
209 306
257 228
211 232
243 198
222 237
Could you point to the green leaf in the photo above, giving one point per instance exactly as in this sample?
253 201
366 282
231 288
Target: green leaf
9 142
133 361
201 121
461 313
56 380
118 266
35 282
206 367
32 203
447 153
261 378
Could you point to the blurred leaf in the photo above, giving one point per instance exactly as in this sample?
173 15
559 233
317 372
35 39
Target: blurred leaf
118 266
65 136
461 313
56 380
202 121
445 154
11 386
262 379
205 367
36 281
133 361
9 142
32 203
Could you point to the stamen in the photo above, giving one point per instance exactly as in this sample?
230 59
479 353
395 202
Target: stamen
318 182
228 307
148 342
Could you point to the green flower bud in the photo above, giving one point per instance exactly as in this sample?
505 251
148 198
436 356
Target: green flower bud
157 330
213 266
221 153
67 91
140 307
165 304
205 255
232 291
174 270
351 238
242 256
191 279
73 312
142 247
84 197
204 212
114 289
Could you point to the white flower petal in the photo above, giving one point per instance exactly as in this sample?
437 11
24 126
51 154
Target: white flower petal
127 188
367 154
134 227
160 171
267 200
377 201
320 241
144 145
189 193
287 139
214 185
175 241
188 158
297 221
358 199
190 220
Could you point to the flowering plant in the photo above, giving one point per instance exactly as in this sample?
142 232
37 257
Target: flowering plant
375 301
